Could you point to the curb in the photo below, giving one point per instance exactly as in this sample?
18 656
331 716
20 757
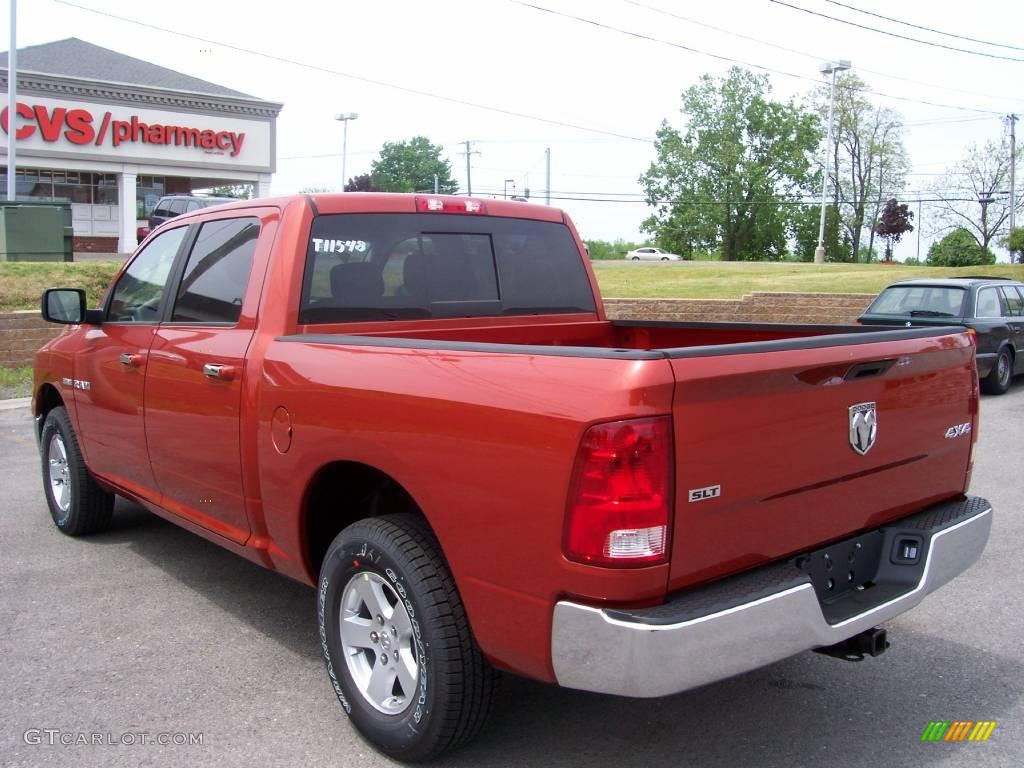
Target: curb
14 403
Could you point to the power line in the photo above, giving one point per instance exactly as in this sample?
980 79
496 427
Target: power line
896 34
360 78
729 59
812 56
925 29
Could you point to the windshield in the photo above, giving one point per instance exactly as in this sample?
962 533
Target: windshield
920 301
362 267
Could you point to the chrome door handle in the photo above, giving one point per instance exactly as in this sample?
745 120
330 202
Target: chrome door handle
219 371
132 361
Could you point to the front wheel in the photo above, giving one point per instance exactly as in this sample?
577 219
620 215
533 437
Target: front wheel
398 647
999 378
77 504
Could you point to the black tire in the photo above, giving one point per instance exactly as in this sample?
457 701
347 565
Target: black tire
664 259
635 258
998 380
89 508
454 686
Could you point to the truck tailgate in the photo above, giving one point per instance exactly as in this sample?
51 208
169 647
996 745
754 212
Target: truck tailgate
766 444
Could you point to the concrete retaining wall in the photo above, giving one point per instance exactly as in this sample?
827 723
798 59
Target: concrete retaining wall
760 307
22 333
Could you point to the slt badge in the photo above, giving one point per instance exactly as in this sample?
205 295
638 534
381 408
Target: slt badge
863 427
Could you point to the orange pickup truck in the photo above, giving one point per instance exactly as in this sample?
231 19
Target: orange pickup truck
417 405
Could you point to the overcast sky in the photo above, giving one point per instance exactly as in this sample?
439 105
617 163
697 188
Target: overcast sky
604 91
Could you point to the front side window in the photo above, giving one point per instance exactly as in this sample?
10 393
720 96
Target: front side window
363 267
137 295
177 207
217 272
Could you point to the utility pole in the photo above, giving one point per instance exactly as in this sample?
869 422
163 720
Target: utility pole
469 153
12 108
547 176
1013 181
919 229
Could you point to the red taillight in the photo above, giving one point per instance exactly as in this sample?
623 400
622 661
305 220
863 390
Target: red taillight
620 497
449 205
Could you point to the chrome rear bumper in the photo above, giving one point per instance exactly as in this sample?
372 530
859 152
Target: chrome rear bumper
649 654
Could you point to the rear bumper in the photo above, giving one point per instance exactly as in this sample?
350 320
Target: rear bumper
985 361
748 621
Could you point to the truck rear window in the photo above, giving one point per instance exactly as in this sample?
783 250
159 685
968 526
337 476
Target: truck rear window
384 266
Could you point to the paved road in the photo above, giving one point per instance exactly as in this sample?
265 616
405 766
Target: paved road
150 629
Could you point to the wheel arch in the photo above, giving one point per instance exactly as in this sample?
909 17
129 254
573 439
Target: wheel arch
46 399
340 493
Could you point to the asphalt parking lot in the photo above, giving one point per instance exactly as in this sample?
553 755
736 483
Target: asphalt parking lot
150 630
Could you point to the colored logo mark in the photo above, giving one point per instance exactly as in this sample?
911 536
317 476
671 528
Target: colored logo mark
958 730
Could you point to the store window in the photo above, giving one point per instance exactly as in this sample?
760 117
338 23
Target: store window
148 191
65 186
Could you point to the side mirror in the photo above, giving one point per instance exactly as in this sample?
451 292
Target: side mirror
67 307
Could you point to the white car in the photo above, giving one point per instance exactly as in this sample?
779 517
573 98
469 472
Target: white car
652 254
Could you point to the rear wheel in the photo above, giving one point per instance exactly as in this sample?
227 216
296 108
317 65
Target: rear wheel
398 647
636 258
77 504
999 378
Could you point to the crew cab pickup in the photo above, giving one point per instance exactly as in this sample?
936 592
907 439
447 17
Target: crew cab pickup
417 405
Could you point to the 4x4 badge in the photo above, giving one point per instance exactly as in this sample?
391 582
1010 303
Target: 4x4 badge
863 427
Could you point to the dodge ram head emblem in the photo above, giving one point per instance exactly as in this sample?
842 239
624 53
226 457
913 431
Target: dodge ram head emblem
863 427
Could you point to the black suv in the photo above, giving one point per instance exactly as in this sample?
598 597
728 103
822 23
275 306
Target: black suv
992 306
169 206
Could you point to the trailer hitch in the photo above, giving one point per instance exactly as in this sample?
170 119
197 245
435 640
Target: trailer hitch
870 642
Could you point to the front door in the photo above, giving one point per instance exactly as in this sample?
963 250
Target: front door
111 369
195 381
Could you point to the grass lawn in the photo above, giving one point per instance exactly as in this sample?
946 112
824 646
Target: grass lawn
718 280
21 283
15 382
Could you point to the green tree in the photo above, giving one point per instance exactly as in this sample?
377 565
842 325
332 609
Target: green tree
725 181
868 160
410 166
361 183
804 226
1015 244
972 193
241 191
959 249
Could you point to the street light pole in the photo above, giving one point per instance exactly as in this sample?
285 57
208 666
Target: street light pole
828 68
344 117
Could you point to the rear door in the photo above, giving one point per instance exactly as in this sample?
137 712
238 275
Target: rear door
780 451
196 375
1014 303
111 368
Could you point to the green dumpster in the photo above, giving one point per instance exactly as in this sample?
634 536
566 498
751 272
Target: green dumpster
35 231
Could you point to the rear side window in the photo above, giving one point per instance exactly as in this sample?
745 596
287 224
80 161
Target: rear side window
920 301
988 303
363 267
217 272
